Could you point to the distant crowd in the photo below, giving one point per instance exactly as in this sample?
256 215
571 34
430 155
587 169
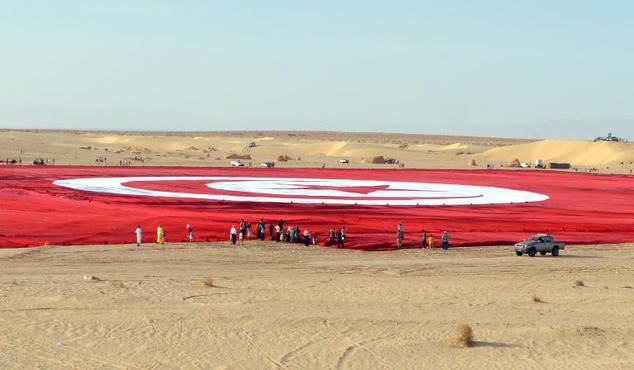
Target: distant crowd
281 231
277 231
11 161
43 161
51 161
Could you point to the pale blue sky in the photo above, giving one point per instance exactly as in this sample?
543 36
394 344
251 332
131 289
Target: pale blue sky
476 67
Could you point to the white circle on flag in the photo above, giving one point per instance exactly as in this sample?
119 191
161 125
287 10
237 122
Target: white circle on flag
312 191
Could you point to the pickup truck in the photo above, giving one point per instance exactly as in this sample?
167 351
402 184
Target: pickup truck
542 243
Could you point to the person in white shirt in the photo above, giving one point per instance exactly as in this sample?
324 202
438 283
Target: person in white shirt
278 232
190 233
139 235
232 235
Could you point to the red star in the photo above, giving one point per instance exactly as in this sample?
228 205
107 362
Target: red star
348 189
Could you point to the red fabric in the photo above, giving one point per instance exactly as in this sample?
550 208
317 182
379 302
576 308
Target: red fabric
582 208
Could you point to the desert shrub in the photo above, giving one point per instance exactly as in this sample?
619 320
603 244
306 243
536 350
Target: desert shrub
208 283
464 336
579 283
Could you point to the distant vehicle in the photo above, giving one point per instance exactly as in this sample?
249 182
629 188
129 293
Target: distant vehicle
251 144
344 161
525 165
391 161
237 164
542 243
268 164
539 164
608 138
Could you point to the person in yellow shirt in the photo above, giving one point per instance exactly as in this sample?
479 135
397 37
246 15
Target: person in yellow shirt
430 241
160 235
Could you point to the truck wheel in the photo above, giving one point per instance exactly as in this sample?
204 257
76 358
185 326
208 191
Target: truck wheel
555 251
543 253
519 253
532 252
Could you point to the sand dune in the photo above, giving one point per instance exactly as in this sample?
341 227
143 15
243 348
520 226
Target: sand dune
454 146
313 148
579 153
307 149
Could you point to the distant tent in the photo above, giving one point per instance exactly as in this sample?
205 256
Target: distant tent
515 163
559 166
378 160
283 158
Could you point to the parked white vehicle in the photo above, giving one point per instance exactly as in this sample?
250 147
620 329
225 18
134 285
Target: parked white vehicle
344 161
539 164
525 165
237 164
268 164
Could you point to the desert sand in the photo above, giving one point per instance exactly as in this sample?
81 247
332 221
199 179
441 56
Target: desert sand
307 149
286 307
601 154
304 149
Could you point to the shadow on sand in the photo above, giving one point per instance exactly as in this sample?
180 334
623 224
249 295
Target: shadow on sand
577 256
482 343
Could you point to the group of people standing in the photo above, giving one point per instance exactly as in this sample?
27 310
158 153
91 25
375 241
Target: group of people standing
337 236
427 238
128 162
160 234
277 231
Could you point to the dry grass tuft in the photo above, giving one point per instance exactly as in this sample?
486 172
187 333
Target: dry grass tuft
208 283
579 283
536 298
464 336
